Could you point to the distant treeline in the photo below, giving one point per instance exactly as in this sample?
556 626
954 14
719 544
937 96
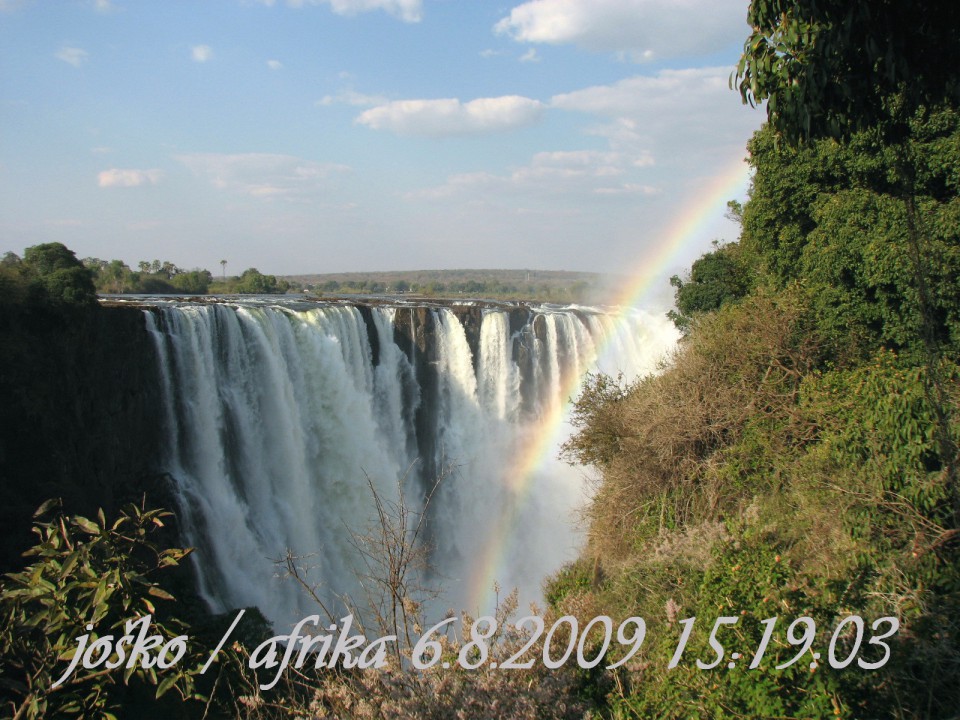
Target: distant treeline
155 277
543 285
52 270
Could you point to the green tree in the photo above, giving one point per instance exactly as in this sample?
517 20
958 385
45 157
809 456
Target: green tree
194 282
253 282
832 67
14 284
716 278
60 276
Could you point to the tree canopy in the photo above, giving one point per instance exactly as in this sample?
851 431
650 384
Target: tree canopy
831 67
50 273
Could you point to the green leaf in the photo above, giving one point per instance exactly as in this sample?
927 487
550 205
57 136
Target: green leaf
160 593
167 683
46 506
88 526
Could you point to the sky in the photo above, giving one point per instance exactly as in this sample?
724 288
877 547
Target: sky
311 136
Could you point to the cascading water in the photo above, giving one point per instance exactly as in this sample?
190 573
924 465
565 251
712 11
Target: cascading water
279 414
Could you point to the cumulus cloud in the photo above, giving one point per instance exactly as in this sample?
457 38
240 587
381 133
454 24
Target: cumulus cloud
117 177
437 118
262 175
406 10
641 28
274 64
73 56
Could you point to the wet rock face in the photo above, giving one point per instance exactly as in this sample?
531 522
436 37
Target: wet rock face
416 326
81 414
414 329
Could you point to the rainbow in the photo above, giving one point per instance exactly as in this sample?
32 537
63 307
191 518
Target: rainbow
690 229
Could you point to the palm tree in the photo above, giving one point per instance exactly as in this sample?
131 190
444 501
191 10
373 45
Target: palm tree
223 267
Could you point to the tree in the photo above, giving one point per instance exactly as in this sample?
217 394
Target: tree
832 67
60 275
14 285
716 278
194 282
223 268
253 282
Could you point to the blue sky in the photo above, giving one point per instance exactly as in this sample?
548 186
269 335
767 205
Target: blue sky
340 135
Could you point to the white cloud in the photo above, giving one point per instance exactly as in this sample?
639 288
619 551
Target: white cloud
530 56
663 133
116 177
73 56
627 189
406 10
201 53
547 175
675 113
103 6
263 175
641 28
274 64
436 118
350 97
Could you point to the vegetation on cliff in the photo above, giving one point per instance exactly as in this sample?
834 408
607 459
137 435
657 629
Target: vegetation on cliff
797 457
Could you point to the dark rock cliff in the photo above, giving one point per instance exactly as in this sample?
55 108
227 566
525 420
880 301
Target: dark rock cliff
79 414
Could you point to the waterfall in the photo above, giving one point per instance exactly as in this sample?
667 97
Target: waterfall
280 417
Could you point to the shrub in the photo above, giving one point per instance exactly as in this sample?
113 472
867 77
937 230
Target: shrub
84 572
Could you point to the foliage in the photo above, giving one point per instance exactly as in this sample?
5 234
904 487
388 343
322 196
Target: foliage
155 278
253 282
748 480
749 580
530 285
14 283
572 579
718 277
865 292
49 274
832 216
654 440
798 455
85 572
829 68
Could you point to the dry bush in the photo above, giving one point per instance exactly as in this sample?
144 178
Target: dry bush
394 562
436 693
439 693
657 442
